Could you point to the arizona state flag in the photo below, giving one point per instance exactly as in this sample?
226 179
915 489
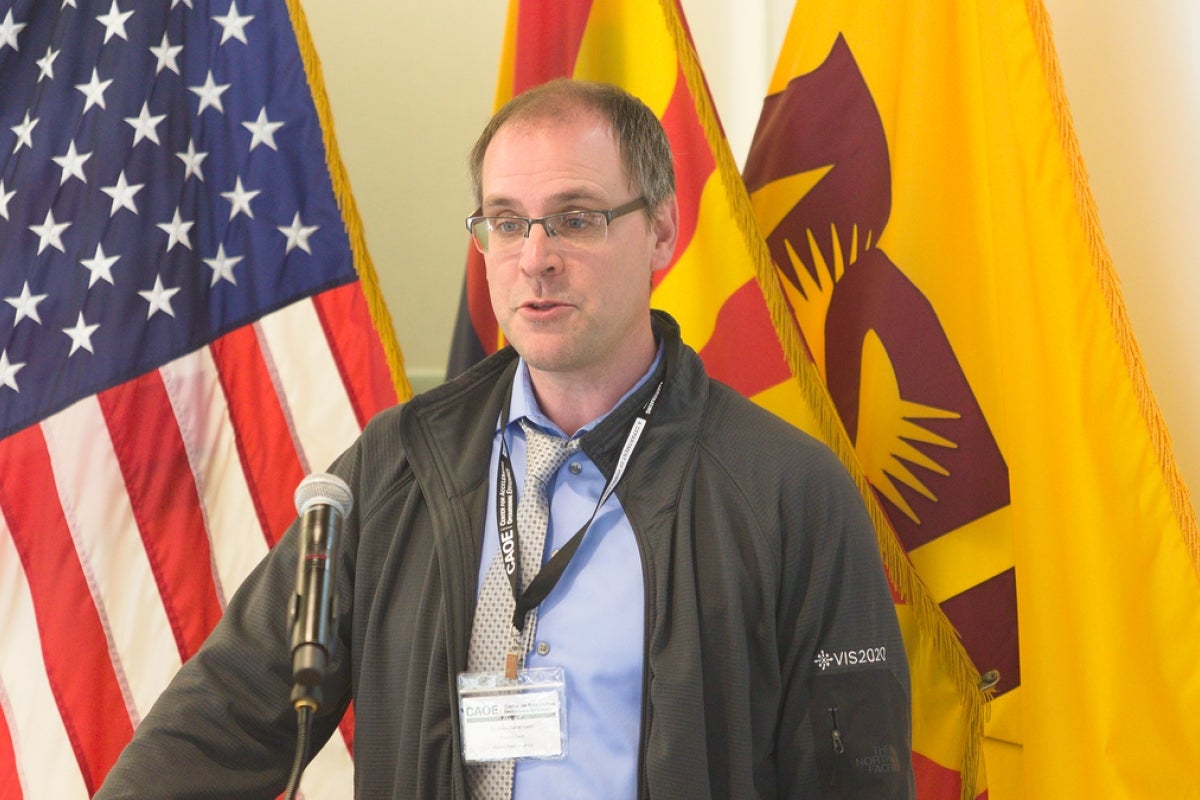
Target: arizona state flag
917 177
710 288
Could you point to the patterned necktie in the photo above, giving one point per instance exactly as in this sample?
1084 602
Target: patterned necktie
491 633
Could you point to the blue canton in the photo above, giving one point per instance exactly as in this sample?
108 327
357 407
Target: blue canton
159 187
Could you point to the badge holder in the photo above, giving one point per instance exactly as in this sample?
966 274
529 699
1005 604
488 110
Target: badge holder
521 718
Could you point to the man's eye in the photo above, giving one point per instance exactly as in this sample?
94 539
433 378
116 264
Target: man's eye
508 227
577 222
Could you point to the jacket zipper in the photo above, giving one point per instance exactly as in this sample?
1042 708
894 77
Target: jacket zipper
647 627
839 747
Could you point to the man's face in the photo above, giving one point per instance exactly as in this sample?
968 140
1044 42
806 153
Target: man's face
581 312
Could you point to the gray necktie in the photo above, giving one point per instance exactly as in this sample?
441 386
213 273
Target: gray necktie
492 631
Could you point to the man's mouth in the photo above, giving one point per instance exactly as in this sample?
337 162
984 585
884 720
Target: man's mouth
542 305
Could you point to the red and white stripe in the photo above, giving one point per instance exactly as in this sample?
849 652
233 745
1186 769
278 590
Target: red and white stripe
129 518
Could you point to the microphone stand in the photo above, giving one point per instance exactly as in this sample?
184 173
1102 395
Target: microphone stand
304 717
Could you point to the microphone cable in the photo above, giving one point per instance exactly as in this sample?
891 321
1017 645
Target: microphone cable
304 718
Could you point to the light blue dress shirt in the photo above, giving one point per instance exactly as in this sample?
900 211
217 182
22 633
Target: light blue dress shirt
592 624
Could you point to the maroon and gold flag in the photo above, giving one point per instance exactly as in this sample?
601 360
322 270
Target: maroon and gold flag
917 179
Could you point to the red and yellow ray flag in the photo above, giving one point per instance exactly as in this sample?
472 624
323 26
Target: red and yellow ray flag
917 178
710 288
714 288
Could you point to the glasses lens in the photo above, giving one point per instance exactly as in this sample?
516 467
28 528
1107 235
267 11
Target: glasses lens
479 231
499 233
579 227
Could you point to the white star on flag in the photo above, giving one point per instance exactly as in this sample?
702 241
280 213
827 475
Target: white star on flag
122 194
100 266
5 196
239 199
222 266
24 132
177 232
46 64
191 161
81 335
50 233
26 305
9 31
72 164
210 94
114 22
145 125
8 371
297 234
234 26
159 298
262 130
165 53
93 90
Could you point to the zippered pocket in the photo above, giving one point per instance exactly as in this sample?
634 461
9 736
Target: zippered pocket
860 731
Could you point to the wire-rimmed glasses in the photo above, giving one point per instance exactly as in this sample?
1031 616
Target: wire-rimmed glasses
582 228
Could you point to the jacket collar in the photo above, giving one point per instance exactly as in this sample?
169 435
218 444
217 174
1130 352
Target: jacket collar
466 409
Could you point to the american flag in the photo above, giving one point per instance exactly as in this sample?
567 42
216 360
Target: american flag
183 336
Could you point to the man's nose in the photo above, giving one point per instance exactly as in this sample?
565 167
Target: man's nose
539 253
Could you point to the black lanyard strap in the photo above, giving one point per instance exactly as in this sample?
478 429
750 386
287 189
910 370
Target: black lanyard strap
548 576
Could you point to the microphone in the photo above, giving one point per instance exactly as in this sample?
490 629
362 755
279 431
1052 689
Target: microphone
322 501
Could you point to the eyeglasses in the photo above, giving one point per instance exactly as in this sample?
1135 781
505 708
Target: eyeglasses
582 228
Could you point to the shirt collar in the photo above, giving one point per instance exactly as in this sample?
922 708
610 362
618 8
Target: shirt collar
524 404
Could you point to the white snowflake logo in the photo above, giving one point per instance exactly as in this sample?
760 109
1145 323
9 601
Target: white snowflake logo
823 660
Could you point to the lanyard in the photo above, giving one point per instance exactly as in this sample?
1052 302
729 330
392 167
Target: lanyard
547 578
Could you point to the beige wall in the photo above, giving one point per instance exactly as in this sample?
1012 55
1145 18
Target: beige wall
412 83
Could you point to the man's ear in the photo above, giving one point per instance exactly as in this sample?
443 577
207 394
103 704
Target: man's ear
665 227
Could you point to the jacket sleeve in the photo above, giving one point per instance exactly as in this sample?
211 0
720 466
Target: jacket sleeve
846 704
224 727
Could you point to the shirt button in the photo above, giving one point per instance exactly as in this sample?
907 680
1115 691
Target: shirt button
575 468
543 648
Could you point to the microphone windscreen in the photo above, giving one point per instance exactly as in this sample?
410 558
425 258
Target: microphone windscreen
324 489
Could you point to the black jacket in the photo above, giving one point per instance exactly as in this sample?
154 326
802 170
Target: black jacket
773 660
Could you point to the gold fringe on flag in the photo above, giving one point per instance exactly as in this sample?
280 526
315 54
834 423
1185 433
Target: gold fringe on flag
381 318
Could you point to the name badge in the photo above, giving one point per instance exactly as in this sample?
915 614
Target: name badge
522 718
